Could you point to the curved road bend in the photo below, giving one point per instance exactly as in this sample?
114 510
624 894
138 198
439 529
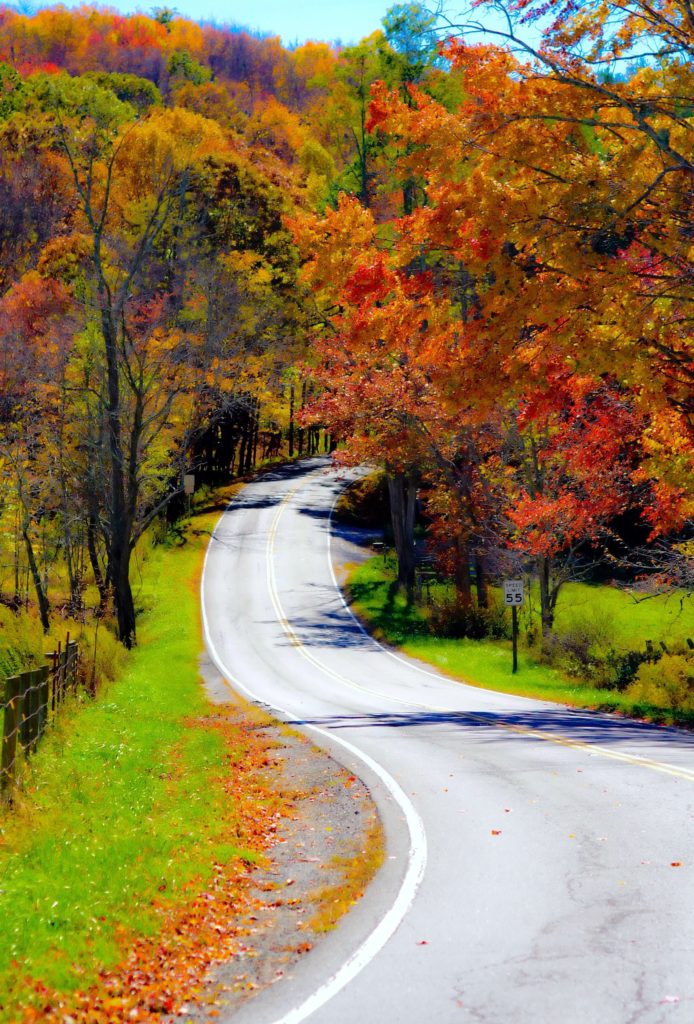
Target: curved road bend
539 861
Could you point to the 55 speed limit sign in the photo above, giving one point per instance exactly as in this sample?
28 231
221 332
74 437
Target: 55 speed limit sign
513 592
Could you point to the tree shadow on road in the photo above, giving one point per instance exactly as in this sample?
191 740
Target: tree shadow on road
561 723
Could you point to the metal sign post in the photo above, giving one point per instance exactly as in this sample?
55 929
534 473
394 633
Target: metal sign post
513 596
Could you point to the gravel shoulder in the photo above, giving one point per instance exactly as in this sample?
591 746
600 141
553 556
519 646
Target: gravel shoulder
331 816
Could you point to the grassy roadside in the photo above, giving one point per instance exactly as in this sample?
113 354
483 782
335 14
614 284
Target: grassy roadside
133 804
487 663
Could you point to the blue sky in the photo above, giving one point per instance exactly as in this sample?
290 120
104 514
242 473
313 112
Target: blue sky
293 20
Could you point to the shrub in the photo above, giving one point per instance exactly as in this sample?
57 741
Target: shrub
583 647
621 668
449 617
667 683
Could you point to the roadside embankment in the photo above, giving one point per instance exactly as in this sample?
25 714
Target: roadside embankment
159 835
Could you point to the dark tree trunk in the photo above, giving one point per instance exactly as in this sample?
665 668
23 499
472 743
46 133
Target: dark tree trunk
122 592
402 488
463 584
546 602
256 431
120 525
242 447
291 421
44 607
250 427
300 431
101 584
481 582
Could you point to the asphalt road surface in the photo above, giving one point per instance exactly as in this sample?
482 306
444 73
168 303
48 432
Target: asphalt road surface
539 859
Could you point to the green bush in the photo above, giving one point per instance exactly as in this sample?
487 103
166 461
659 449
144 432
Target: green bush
586 649
666 683
621 668
450 618
581 648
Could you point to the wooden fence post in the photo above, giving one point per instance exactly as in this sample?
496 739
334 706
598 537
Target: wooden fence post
31 702
26 695
9 733
43 700
60 673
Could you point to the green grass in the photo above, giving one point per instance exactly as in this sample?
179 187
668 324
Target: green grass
124 803
487 663
633 619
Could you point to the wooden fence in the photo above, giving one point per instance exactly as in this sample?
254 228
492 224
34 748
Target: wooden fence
31 700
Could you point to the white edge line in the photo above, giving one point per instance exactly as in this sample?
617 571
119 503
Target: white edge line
417 854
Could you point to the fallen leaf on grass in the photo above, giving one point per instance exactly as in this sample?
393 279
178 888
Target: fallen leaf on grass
162 973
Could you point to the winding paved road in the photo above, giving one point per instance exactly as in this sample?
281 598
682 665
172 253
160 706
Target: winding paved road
539 861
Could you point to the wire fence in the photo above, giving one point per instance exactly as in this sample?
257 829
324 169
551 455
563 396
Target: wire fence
31 701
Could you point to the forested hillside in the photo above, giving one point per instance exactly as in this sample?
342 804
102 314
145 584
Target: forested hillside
466 254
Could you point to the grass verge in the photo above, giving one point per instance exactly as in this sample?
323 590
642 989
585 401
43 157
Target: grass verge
133 804
487 663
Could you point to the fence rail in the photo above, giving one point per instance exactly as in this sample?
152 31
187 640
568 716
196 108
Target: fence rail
31 700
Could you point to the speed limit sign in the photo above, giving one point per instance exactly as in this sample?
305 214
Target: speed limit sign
513 592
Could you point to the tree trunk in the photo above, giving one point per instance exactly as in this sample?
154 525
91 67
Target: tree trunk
402 488
256 430
463 584
481 581
291 421
101 584
122 591
44 607
250 426
300 431
120 525
242 447
546 603
17 600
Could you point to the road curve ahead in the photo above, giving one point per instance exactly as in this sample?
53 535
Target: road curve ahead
539 861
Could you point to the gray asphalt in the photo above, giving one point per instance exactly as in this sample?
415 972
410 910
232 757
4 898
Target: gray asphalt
558 884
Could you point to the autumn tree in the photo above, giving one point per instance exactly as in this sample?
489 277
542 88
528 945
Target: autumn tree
560 254
131 182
